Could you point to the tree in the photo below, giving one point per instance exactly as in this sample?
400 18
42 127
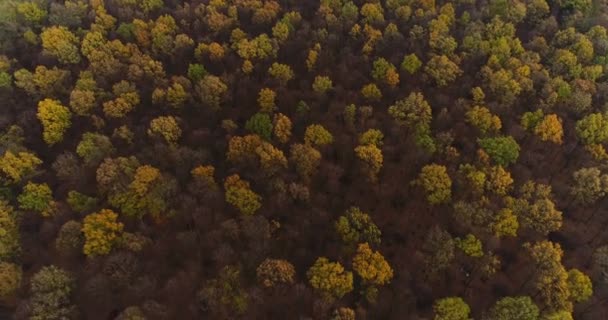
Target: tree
356 226
211 91
559 315
242 149
372 159
52 288
59 42
550 277
482 119
322 84
589 185
70 238
386 72
282 127
224 294
550 129
411 63
9 232
371 92
196 72
166 127
16 167
55 120
94 147
343 314
505 223
373 13
504 150
438 248
436 182
306 160
442 70
470 245
452 308
266 100
80 202
317 135
37 197
240 195
514 308
371 266
260 124
592 129
272 160
31 12
101 232
10 279
330 279
580 286
275 272
282 72
149 192
82 102
371 137
413 112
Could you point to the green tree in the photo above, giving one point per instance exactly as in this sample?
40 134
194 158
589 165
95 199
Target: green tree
514 308
55 120
436 182
452 308
80 202
94 147
356 226
504 150
592 129
37 197
470 245
411 63
330 279
260 124
32 12
581 288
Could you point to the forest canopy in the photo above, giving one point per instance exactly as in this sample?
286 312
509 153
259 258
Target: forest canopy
331 159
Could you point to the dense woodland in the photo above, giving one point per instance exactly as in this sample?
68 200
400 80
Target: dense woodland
284 159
